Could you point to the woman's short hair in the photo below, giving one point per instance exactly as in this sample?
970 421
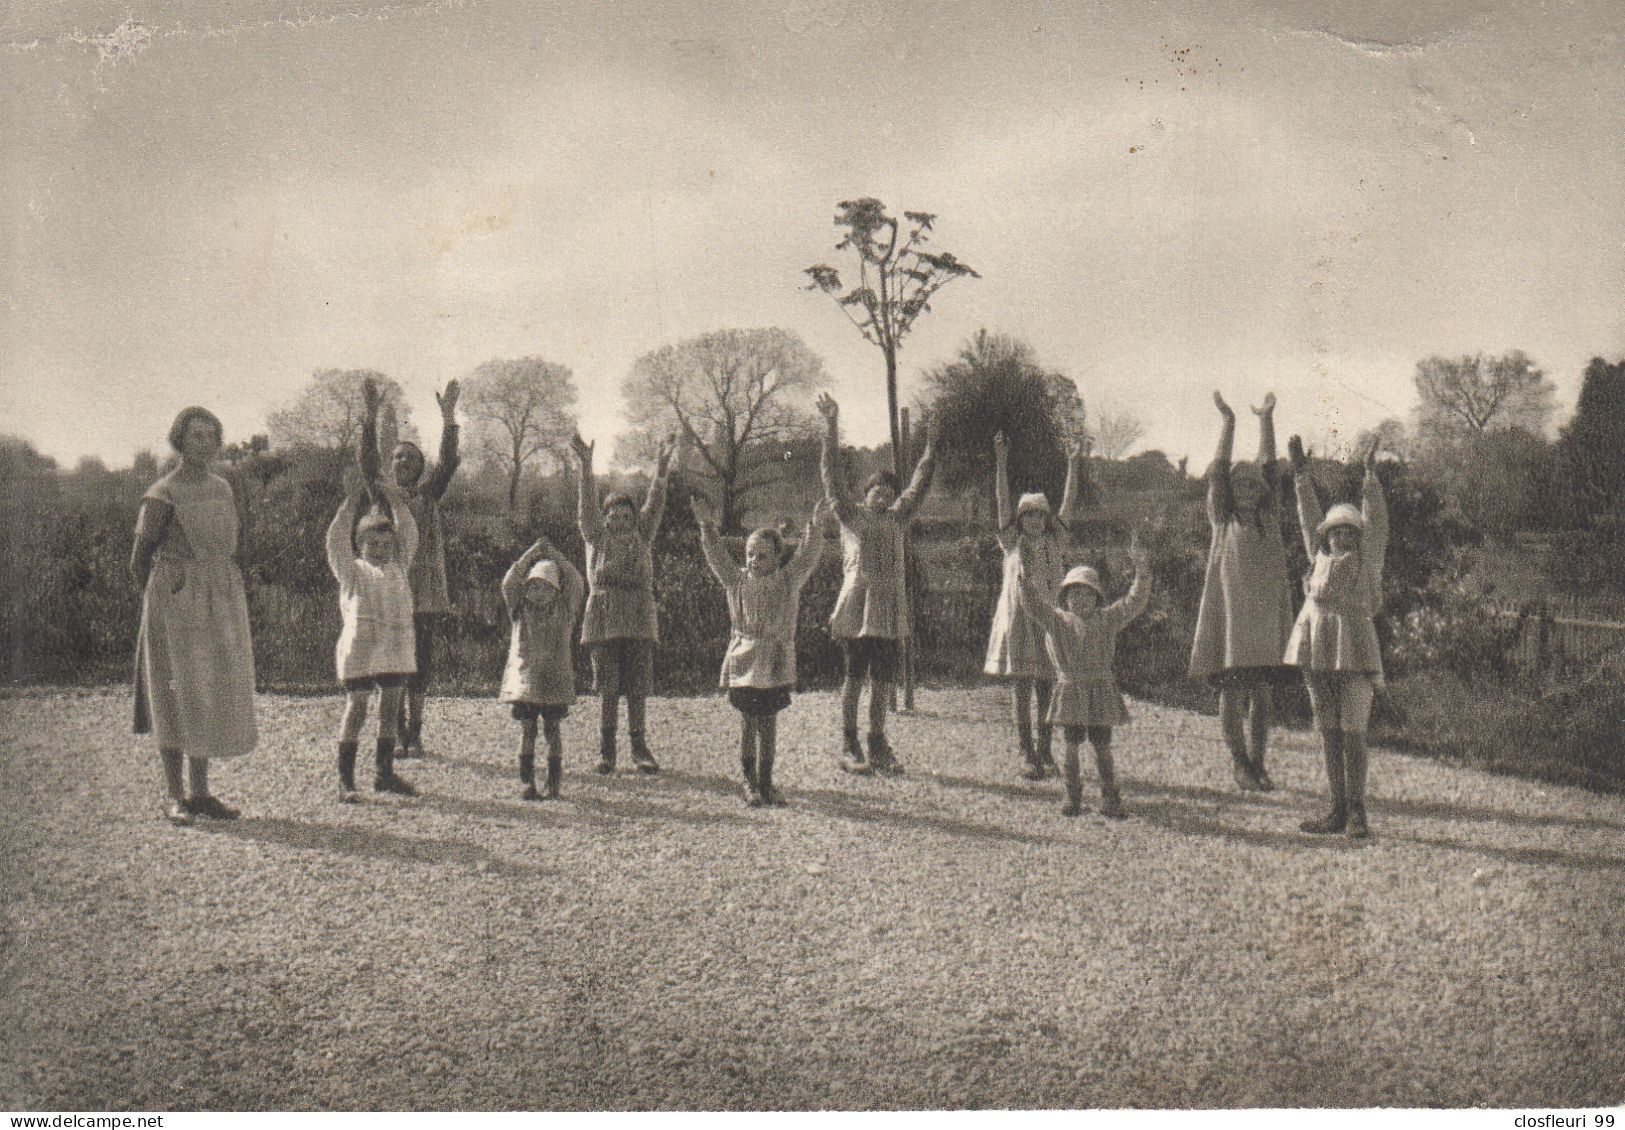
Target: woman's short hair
177 430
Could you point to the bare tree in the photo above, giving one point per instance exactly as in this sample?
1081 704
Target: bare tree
1390 435
327 413
1116 432
519 409
739 396
1466 396
895 285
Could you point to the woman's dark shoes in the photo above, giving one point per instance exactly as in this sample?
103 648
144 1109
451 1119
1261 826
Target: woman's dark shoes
1329 825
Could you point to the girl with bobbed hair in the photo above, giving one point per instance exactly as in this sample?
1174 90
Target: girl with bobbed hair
194 672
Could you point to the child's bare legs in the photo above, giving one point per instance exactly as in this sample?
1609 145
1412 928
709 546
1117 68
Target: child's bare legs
767 733
1111 801
355 716
1233 722
1324 700
1259 720
1074 784
384 778
747 758
527 759
175 785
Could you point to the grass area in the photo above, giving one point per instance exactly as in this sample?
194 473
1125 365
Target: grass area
945 939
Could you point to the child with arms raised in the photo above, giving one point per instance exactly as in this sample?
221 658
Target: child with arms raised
1081 634
871 613
1334 640
543 593
1246 610
1034 542
759 669
370 552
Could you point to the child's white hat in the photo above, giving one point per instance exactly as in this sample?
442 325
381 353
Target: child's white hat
546 571
1033 503
1343 514
1086 576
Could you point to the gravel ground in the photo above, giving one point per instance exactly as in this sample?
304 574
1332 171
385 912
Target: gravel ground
945 939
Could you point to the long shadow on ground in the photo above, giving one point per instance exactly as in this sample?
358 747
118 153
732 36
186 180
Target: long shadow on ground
366 843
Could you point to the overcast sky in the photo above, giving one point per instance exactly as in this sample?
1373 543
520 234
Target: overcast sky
1162 198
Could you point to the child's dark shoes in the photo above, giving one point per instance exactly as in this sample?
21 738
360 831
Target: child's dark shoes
1072 807
1357 828
176 812
391 783
529 793
1111 806
211 808
753 799
348 795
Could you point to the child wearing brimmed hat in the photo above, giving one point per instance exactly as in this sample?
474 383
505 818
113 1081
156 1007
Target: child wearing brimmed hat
370 555
759 668
543 593
1246 609
1034 543
1334 640
1081 635
620 623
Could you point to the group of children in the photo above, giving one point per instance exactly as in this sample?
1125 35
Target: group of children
1053 635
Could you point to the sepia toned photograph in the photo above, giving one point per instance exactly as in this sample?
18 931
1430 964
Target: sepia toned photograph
812 555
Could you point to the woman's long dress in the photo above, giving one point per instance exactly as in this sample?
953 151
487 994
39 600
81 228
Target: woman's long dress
194 683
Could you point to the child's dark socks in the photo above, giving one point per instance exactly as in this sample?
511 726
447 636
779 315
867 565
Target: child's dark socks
767 732
747 758
606 749
347 752
384 779
853 759
555 769
1074 782
1354 771
641 757
1111 801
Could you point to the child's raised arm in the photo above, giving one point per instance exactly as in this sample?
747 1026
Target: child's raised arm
588 518
513 581
1077 472
367 452
717 555
829 459
340 535
1220 502
1310 512
919 484
1266 447
811 549
1037 609
1133 602
446 465
1001 482
406 526
654 504
1374 505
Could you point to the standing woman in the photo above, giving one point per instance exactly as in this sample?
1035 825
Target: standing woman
1246 611
194 678
1033 540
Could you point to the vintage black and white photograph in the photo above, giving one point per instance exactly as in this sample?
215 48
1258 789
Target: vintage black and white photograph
812 555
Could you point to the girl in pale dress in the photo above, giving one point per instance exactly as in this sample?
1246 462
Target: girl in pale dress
1246 609
1034 542
1081 636
194 681
1334 641
543 593
759 669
